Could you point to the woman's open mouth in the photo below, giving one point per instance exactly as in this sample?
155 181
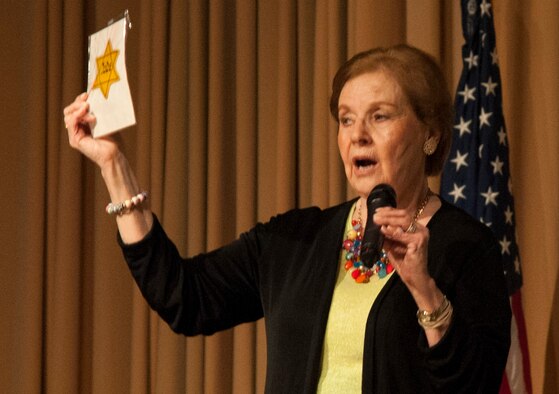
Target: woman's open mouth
363 164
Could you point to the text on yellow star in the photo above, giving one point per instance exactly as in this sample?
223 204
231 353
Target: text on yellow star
106 70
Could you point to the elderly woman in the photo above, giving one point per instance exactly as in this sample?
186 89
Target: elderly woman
431 315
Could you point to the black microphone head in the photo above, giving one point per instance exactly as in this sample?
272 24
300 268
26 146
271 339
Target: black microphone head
382 195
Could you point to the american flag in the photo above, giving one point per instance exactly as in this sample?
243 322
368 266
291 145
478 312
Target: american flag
476 176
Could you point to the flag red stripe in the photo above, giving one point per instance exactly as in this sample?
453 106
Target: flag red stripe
517 311
504 389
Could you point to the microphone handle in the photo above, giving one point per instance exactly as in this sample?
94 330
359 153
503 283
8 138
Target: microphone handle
382 195
372 244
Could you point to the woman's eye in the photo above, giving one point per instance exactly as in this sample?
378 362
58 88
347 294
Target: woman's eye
379 117
345 121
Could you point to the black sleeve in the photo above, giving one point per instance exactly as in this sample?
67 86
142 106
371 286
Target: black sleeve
203 294
472 355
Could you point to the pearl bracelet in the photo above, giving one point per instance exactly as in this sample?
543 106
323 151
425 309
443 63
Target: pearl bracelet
436 318
127 205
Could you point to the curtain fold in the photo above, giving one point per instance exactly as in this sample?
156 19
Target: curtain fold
233 126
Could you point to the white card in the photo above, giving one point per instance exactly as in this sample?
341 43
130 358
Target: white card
109 94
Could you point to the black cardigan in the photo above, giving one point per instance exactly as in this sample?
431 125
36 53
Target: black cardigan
285 270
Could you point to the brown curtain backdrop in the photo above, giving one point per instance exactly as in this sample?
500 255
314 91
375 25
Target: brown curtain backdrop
231 99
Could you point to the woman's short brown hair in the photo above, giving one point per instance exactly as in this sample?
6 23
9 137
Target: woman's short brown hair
422 82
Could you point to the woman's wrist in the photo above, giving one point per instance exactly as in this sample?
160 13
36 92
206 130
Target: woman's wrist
434 311
437 318
119 179
428 297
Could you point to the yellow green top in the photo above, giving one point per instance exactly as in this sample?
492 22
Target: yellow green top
342 354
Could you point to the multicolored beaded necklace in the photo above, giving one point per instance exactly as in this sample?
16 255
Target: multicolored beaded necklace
352 245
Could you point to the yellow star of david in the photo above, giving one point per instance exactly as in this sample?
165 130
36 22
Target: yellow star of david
106 70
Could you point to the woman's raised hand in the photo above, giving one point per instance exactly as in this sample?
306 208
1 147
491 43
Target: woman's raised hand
77 119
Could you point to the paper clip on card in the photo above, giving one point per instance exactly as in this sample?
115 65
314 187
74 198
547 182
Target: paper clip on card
107 81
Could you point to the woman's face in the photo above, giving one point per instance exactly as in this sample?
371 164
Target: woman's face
379 136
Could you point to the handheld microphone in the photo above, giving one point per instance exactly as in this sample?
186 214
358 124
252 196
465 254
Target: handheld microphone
382 195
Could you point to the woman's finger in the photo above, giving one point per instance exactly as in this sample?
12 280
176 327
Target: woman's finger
75 104
391 216
77 115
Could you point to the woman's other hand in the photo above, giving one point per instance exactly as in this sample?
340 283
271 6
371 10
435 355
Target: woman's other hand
77 120
406 250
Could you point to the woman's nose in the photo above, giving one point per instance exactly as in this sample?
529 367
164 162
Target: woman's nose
361 133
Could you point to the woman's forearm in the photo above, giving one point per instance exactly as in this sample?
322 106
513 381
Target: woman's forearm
122 185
